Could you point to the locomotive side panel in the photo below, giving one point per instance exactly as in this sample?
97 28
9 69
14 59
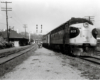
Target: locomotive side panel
44 40
66 37
57 37
60 35
48 39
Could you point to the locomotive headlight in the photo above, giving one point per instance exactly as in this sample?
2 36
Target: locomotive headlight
86 24
94 33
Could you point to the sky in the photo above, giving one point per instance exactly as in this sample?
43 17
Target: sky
48 13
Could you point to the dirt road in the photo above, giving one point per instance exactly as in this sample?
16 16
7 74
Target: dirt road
44 65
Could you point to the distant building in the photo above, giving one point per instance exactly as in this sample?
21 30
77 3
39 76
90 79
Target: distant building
38 41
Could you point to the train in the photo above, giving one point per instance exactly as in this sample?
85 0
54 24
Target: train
73 37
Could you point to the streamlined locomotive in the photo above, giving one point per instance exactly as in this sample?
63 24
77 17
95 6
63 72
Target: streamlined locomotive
77 34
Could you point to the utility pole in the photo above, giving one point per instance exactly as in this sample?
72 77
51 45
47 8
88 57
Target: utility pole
7 9
25 29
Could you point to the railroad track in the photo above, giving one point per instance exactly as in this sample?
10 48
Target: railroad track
10 51
94 58
13 56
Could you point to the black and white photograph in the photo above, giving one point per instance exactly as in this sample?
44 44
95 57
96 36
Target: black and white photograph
49 39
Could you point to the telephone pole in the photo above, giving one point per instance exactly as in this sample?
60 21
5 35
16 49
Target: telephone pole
25 29
7 9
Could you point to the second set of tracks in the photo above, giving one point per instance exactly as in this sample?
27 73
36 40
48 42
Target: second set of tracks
10 57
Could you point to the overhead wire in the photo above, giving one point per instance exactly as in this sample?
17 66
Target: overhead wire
15 18
4 14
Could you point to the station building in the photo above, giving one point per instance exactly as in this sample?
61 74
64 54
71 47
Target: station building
16 38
